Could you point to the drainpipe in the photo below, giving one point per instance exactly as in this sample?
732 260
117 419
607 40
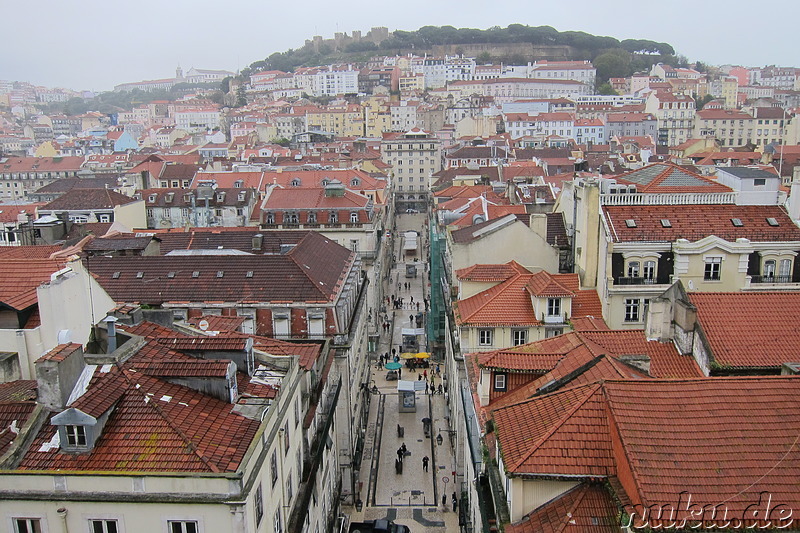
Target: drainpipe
62 514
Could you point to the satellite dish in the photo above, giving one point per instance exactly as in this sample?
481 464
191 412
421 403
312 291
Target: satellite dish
203 325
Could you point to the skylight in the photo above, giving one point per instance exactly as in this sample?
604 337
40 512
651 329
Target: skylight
630 223
196 274
666 223
772 221
737 222
220 273
115 275
140 275
249 274
171 275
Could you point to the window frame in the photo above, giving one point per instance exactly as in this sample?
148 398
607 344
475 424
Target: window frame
712 269
104 524
486 337
500 382
182 523
554 307
258 504
632 310
29 521
518 335
76 436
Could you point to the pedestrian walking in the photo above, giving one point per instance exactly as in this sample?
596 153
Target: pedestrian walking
425 374
425 463
417 306
455 502
444 502
397 466
399 373
400 454
411 319
412 299
419 377
426 387
440 388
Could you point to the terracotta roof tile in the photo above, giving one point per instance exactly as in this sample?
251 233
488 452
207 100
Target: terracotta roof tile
13 416
156 426
18 391
587 508
753 336
21 277
667 177
88 199
483 273
60 352
695 222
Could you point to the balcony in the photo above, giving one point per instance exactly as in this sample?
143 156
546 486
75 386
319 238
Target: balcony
771 279
554 319
634 281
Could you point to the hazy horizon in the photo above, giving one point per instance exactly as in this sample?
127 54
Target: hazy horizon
113 45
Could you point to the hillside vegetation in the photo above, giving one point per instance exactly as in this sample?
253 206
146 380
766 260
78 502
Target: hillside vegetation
612 57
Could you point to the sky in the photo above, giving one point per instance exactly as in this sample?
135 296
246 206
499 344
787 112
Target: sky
94 44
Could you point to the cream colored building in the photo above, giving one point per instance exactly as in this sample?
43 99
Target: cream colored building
633 245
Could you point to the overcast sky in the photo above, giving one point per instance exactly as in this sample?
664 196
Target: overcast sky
95 44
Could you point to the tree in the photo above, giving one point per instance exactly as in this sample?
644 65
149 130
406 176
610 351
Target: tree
699 103
281 141
606 89
226 84
615 63
484 58
241 96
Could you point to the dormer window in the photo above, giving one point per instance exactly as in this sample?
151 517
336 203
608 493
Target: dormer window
269 218
295 182
354 217
151 198
220 197
238 184
355 182
169 197
553 306
242 196
76 435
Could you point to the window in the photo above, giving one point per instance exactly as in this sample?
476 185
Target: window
27 525
633 269
182 526
785 269
759 182
354 217
713 269
76 435
290 217
553 306
649 270
333 217
273 467
553 332
499 382
289 488
485 337
769 268
270 218
103 526
519 336
258 503
631 310
278 522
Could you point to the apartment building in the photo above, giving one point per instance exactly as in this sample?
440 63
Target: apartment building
414 157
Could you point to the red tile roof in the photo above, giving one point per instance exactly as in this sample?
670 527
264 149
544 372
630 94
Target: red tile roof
312 271
88 199
587 508
762 332
155 426
483 273
21 277
60 352
313 198
217 342
18 391
13 416
668 445
509 303
695 222
565 432
669 178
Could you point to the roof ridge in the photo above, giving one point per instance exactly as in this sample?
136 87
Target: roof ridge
581 489
566 415
185 438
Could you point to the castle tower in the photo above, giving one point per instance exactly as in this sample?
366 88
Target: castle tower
179 73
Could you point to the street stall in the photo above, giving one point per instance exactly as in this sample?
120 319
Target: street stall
406 393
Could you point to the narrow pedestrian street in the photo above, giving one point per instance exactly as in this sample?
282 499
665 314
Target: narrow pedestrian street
419 498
